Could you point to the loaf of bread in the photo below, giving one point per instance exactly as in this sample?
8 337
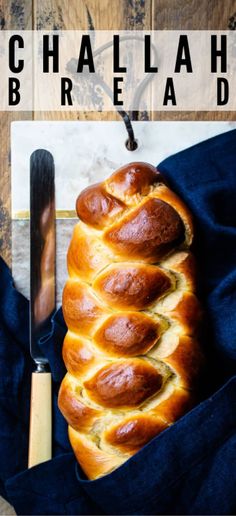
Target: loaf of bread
131 349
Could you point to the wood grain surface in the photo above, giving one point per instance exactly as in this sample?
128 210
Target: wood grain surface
98 14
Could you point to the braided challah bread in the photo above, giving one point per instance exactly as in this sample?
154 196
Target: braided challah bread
131 349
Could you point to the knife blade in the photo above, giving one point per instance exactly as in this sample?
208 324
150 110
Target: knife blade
42 298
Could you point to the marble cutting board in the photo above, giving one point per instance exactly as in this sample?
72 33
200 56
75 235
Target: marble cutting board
84 153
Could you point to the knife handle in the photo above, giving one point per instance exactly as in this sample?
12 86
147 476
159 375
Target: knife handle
40 436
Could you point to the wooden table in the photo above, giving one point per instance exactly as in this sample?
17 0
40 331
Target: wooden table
98 14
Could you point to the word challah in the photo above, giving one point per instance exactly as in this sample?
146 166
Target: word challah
131 349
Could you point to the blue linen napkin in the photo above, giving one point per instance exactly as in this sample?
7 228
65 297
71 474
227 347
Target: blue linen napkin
191 467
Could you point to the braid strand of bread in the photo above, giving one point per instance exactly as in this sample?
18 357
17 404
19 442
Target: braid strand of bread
131 349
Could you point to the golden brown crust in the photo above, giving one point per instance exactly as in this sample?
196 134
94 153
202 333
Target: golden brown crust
177 404
128 334
151 231
134 432
184 264
77 354
77 414
94 461
81 309
132 179
97 207
166 195
132 286
188 313
84 256
186 361
131 350
124 384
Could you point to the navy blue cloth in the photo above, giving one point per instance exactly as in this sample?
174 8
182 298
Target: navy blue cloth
190 467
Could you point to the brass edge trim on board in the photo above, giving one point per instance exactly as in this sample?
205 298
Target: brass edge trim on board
60 214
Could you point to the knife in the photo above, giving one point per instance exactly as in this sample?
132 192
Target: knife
42 300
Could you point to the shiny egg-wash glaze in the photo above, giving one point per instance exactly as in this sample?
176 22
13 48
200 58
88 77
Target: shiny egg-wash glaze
131 349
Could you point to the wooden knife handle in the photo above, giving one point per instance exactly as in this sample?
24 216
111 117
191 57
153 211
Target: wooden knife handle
40 436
